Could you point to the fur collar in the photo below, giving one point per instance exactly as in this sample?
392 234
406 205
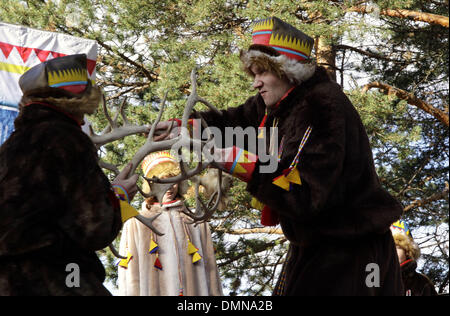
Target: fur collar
320 76
295 71
37 113
87 103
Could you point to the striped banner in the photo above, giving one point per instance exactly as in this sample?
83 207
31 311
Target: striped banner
22 48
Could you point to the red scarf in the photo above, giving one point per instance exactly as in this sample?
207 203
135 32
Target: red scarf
268 216
166 203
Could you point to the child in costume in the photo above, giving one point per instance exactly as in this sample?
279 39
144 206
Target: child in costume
182 261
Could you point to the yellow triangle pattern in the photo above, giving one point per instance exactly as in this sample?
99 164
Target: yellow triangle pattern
290 42
67 75
124 262
239 169
191 248
127 211
196 257
152 247
245 158
266 24
282 182
294 176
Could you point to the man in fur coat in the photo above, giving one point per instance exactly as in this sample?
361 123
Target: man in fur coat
325 192
56 205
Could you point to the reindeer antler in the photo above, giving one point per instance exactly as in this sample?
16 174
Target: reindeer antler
159 186
114 132
183 140
204 212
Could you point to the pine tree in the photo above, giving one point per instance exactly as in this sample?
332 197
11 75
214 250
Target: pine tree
391 57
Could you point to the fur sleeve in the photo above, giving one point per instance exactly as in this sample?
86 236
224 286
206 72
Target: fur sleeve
90 216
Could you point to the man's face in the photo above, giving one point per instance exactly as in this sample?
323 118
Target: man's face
401 254
271 88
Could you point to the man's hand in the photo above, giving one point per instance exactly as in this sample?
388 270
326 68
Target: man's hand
167 130
127 182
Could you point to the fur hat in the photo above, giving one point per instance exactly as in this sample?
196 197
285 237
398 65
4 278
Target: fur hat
161 165
281 48
403 239
64 83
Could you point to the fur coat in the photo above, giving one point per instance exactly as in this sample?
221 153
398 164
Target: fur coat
176 270
56 207
415 283
338 220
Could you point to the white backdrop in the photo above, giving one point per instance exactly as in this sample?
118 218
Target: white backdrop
20 49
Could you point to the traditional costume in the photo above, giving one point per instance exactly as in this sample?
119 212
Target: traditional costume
56 205
325 192
181 262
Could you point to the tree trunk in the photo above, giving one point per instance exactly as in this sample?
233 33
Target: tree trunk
326 56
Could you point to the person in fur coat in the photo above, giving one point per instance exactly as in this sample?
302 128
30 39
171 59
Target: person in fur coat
56 205
325 192
182 262
415 283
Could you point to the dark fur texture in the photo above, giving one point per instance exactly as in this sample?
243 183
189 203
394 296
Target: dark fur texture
416 284
56 207
338 220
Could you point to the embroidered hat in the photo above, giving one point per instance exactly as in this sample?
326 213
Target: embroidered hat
68 73
281 38
62 82
404 240
400 227
281 48
159 164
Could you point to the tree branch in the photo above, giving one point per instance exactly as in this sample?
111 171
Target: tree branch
410 98
152 77
365 52
258 249
405 14
435 197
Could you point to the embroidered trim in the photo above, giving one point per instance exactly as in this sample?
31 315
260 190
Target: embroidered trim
300 147
121 193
